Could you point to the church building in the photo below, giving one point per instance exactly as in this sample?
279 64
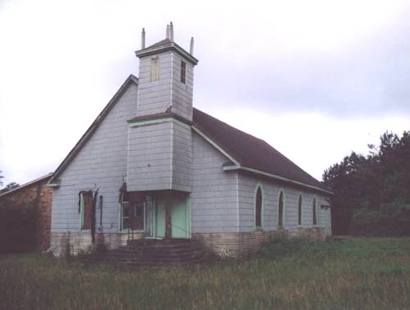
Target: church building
153 166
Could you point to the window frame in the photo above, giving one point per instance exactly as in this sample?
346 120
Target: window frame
300 210
280 224
122 205
132 209
154 69
258 189
144 205
82 210
183 70
314 212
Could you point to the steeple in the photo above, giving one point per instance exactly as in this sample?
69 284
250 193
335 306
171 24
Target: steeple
159 156
165 77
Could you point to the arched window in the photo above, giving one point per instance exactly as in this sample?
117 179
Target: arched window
300 210
280 210
258 208
314 212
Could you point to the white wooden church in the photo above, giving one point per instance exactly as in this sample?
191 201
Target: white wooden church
154 166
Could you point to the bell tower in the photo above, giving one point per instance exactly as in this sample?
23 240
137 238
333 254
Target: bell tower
166 75
159 138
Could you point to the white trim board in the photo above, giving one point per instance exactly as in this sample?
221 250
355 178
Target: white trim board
274 176
204 136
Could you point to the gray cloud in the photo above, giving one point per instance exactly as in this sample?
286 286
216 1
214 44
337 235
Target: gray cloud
370 78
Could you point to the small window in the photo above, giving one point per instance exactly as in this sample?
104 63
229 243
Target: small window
183 72
132 215
280 210
125 218
86 209
258 208
154 73
300 211
314 212
137 221
100 208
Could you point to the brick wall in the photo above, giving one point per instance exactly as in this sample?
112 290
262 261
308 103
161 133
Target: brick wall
34 195
44 218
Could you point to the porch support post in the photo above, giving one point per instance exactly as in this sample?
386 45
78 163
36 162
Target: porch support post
168 225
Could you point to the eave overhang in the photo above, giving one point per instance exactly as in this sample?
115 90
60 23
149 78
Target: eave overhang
276 177
169 46
158 116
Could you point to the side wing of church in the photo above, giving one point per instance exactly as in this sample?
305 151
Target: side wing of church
152 166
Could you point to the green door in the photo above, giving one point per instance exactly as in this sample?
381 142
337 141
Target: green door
180 218
160 219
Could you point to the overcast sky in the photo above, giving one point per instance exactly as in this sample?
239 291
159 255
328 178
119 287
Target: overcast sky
316 79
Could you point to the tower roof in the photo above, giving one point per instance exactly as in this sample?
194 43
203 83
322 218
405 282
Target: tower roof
165 45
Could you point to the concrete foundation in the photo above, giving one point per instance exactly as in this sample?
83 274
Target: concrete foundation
245 243
222 244
75 243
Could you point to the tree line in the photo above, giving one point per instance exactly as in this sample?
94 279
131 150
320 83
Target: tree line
9 186
372 192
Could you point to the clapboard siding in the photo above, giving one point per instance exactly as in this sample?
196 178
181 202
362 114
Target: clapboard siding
247 198
324 216
182 92
214 194
150 157
159 157
101 163
270 202
182 157
155 96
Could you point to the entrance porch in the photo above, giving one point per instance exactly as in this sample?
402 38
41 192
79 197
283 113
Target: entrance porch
156 215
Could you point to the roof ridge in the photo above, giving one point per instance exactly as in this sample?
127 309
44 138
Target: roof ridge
159 43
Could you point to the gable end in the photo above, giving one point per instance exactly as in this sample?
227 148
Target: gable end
54 181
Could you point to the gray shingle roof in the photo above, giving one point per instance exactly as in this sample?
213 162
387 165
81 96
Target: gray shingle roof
250 151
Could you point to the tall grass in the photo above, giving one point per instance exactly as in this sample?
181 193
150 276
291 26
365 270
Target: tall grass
361 273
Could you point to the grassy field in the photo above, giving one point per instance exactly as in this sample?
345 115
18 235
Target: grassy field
360 273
